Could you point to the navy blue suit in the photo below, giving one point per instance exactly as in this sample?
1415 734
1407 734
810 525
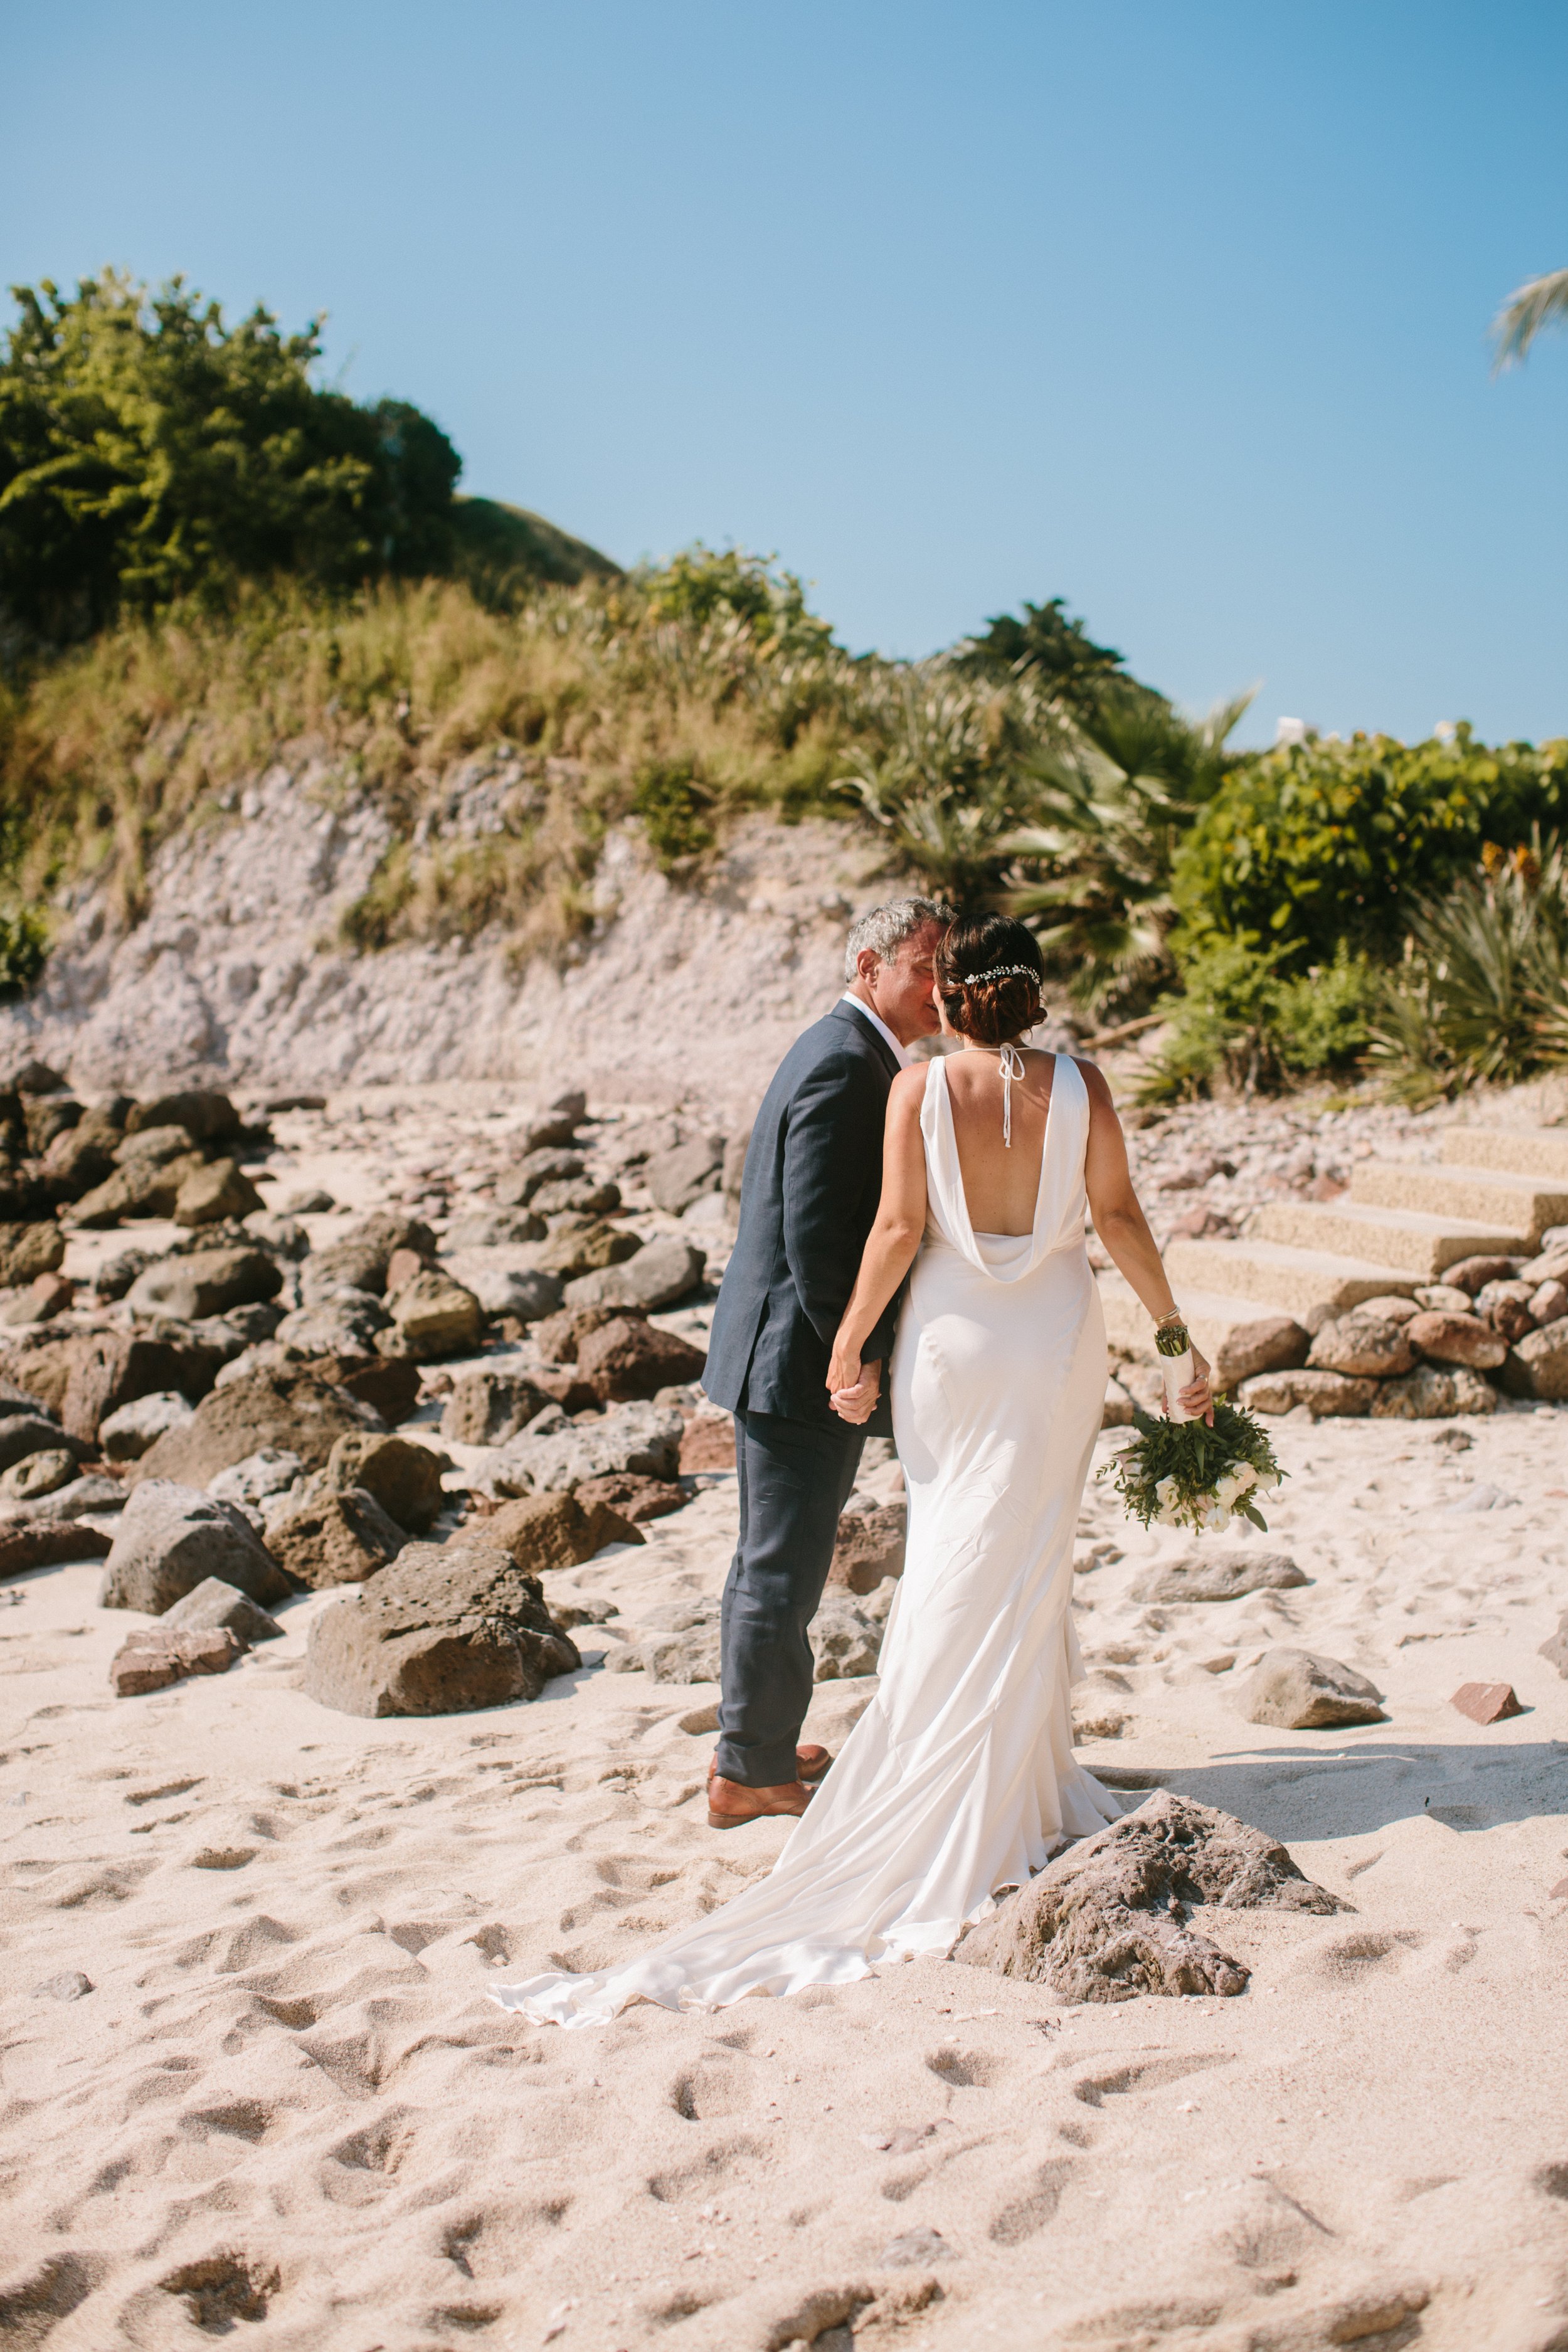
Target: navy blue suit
812 1185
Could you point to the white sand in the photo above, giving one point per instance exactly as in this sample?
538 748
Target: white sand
287 2112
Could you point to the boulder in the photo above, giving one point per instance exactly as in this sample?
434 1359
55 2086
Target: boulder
550 1164
105 1371
582 1196
206 1115
1552 1266
543 1532
254 1324
221 1189
435 1316
125 1434
388 1386
26 1544
356 1266
333 1536
212 1605
575 1250
485 1408
1116 1412
732 1172
680 1643
641 1438
153 1656
1434 1394
142 1187
1537 1366
1442 1299
633 1496
675 1178
156 1147
1472 1273
349 1323
1271 1343
629 1357
36 1474
1299 1691
1390 1310
661 1274
1457 1339
45 1117
844 1640
172 1537
116 1275
205 1282
483 1229
1324 1394
404 1476
63 1504
561 1384
259 1479
1108 1921
445 1629
560 1336
1363 1346
506 1281
295 1412
25 1433
869 1545
1506 1307
283 1237
1204 1577
29 1250
1549 1302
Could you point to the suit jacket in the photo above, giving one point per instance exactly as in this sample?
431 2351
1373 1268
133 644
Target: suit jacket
808 1200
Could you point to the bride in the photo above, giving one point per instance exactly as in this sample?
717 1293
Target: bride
960 1777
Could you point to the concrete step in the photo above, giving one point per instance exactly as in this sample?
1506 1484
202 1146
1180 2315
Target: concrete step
1210 1316
1403 1240
1523 1151
1525 1206
1263 1277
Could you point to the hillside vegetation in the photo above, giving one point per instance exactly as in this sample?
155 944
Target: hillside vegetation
211 563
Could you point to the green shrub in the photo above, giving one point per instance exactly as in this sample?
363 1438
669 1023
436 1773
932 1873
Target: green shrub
24 944
674 806
1323 843
1244 1018
1483 992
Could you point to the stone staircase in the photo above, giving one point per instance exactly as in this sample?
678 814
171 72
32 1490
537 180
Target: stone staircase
1495 1192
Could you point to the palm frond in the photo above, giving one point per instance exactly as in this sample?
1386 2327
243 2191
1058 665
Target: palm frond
1539 302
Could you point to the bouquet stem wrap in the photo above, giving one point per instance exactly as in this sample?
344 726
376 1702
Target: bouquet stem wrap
1176 1371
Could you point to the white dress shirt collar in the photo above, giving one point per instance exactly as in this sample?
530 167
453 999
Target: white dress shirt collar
879 1025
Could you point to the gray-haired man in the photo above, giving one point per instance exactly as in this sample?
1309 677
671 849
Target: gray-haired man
814 1177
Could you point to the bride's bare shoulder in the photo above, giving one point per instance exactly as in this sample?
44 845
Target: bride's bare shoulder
1096 1084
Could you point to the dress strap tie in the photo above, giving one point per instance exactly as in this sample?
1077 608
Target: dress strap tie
1010 1062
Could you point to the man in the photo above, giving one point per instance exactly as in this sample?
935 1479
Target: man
813 1181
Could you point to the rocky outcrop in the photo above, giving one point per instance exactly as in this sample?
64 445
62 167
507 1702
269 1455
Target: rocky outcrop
543 1532
404 1476
214 1605
1205 1577
645 1438
331 1537
628 1358
445 1630
1108 1919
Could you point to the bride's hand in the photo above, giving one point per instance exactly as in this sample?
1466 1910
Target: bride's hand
1197 1397
843 1366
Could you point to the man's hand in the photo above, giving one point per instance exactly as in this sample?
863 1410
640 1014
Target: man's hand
853 1395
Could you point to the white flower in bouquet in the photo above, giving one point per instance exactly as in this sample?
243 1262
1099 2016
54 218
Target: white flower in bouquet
1166 1493
1217 1519
1243 1473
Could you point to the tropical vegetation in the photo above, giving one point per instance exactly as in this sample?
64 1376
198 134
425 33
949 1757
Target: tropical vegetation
210 564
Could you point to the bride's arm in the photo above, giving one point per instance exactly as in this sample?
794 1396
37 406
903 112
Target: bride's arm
892 1241
1119 1221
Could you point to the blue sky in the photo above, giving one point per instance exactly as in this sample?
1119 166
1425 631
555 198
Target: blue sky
1177 312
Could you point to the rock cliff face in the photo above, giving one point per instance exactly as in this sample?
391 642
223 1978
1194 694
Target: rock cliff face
235 975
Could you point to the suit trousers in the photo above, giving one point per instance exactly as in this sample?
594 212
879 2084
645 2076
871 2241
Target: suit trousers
795 1476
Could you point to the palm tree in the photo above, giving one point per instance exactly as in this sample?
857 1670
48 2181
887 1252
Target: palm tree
1539 302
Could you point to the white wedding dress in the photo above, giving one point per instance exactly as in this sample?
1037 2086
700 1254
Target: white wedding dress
960 1777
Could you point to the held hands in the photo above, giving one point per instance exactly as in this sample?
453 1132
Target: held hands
852 1386
1197 1397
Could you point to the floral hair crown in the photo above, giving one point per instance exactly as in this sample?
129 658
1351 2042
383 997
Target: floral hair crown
1000 972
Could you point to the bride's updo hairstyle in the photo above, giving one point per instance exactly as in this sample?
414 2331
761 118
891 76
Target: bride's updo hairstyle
989 975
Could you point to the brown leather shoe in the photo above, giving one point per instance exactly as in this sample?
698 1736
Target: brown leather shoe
811 1764
731 1802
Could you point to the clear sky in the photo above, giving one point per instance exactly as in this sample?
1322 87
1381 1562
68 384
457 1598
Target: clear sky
1179 312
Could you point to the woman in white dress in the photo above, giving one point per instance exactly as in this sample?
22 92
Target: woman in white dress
960 1777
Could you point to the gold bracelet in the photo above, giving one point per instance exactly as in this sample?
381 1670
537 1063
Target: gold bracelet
1175 1316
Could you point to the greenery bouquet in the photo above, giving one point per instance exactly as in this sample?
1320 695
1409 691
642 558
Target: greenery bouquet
1180 1472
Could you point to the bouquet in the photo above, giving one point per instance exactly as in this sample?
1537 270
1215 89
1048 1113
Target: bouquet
1181 1473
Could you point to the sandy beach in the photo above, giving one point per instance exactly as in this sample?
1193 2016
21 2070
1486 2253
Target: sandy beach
287 2109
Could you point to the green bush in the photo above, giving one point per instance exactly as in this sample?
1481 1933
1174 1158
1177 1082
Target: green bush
674 806
147 450
1323 843
24 944
1244 1018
